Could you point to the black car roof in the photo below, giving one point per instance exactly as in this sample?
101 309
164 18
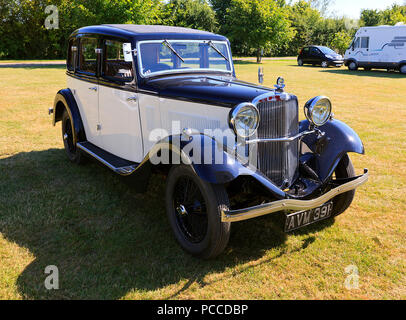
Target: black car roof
149 32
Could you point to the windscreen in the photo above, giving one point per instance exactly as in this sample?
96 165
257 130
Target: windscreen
326 50
176 56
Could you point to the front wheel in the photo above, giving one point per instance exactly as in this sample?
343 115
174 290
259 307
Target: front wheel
344 170
324 64
403 69
353 66
194 209
300 62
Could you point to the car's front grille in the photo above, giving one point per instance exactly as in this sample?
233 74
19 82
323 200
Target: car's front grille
278 160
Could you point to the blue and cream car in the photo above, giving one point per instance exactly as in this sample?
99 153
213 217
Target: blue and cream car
144 99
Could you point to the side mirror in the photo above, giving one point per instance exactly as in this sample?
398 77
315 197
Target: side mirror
128 57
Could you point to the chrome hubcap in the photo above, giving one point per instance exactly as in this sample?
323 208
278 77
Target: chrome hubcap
181 210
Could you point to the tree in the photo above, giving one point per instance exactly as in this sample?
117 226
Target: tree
196 14
341 42
258 24
370 18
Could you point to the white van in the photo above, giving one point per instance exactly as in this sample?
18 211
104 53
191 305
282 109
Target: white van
382 47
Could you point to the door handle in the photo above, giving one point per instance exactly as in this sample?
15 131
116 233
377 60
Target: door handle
93 88
132 99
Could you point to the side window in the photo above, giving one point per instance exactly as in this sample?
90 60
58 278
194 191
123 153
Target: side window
357 43
71 55
114 65
306 50
365 42
314 51
88 55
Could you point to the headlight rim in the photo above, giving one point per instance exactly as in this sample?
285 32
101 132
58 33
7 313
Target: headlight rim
311 104
235 111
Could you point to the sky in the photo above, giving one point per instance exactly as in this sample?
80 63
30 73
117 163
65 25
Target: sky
352 8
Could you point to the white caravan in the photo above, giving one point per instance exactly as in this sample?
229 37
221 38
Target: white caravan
382 47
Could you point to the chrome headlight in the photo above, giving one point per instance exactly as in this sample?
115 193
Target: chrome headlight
244 120
318 110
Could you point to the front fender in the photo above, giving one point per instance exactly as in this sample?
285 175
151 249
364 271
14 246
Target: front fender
338 140
211 160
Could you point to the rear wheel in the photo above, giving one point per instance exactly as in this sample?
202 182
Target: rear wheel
73 153
300 62
353 66
344 170
403 69
194 209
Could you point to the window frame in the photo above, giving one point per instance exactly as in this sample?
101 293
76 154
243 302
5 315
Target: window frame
179 71
104 59
361 43
79 50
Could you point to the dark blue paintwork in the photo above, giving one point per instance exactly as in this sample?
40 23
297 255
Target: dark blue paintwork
217 90
134 33
341 139
65 99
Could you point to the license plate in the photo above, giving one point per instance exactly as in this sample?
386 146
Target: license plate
301 219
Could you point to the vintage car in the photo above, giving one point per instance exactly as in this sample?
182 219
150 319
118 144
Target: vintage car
144 99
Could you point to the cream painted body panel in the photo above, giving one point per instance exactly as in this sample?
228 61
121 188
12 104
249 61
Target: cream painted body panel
120 123
175 115
88 104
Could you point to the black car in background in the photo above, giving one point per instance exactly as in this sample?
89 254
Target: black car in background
319 55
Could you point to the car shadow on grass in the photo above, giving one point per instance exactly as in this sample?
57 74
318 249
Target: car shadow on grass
106 239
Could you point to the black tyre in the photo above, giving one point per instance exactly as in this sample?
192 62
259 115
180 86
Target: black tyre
74 154
345 169
353 66
194 209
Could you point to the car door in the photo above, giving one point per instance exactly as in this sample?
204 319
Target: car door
120 127
305 55
315 56
85 86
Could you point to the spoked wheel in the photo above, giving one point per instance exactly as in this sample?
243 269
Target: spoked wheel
191 210
324 64
69 142
344 170
300 62
194 211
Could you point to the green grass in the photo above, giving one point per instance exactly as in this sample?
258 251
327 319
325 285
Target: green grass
112 243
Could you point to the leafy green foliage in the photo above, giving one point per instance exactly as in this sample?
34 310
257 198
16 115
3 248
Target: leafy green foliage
196 14
255 24
341 42
390 16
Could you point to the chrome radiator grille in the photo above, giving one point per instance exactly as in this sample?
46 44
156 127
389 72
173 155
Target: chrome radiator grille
278 160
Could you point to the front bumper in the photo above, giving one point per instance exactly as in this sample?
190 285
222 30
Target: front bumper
337 63
292 204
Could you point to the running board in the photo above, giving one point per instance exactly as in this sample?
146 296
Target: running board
118 165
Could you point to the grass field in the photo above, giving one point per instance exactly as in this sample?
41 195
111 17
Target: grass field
111 243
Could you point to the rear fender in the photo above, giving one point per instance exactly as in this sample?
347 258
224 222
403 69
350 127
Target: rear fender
64 99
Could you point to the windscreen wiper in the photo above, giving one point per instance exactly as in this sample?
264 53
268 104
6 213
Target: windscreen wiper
166 42
211 44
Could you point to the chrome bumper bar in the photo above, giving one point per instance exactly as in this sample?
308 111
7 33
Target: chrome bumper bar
291 204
